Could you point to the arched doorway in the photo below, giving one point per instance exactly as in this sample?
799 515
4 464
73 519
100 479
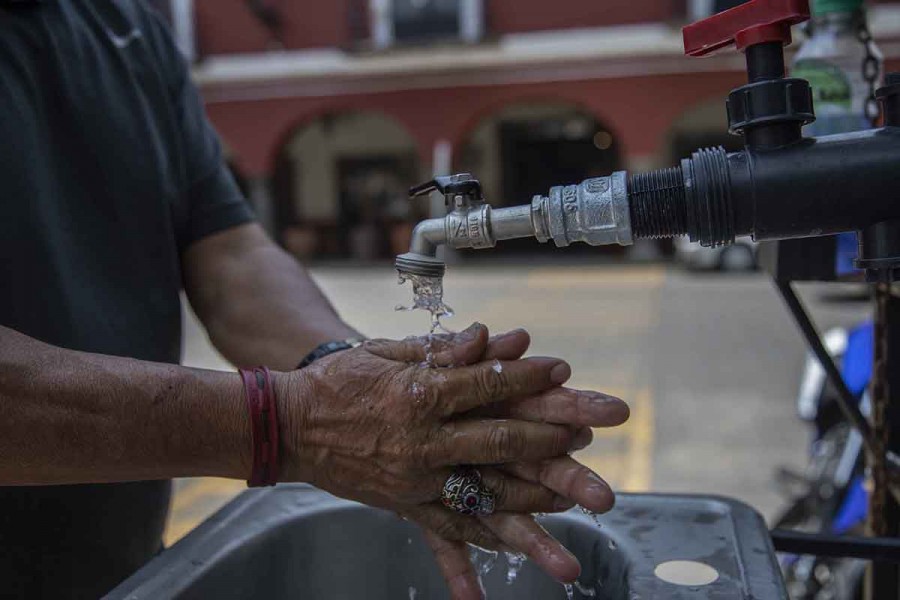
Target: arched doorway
703 126
340 187
526 148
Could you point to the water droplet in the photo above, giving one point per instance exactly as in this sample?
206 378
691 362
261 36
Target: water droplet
483 560
570 591
418 392
412 593
498 368
586 591
594 516
514 563
612 544
409 540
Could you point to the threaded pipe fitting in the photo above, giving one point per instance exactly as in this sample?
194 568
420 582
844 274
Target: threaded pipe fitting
658 205
710 214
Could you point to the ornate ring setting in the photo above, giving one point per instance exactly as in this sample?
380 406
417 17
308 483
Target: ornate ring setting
465 493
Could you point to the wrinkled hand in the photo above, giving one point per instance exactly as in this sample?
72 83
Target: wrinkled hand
563 475
367 425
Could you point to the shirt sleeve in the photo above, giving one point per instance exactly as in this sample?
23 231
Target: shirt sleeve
212 200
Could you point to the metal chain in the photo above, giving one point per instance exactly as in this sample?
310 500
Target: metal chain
870 68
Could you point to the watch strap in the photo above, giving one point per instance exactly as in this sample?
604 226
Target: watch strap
323 350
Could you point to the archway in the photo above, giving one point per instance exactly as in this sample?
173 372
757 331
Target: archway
524 149
703 126
340 187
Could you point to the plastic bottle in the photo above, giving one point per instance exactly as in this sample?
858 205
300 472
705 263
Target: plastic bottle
833 60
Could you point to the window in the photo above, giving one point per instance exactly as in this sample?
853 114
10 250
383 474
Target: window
423 21
700 9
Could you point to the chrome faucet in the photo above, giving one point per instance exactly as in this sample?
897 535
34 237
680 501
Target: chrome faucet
596 212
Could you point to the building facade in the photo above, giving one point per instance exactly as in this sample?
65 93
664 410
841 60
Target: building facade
330 110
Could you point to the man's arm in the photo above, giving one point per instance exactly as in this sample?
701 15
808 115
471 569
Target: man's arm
74 417
258 304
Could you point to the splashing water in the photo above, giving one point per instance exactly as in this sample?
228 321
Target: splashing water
483 560
514 563
585 591
497 367
418 392
428 294
570 591
594 516
612 544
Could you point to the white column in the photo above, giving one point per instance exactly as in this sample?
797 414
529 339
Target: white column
183 26
471 20
442 164
381 23
699 9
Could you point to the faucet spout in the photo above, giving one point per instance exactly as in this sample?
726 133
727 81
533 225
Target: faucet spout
422 257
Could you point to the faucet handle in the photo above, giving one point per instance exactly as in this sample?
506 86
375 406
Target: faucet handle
463 184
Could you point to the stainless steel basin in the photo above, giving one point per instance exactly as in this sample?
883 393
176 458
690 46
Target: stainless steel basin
297 542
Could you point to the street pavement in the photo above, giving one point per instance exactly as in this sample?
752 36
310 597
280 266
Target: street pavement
709 363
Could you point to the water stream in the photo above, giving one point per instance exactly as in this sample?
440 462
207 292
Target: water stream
514 563
428 295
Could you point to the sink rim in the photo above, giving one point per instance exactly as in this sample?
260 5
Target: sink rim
254 512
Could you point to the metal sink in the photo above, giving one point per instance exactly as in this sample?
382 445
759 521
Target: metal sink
297 542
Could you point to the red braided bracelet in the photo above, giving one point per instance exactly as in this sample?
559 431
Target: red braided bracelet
263 425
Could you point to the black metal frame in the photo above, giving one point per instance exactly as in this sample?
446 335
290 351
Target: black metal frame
883 580
837 546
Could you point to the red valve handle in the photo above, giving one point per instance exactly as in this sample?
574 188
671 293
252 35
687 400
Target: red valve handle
755 22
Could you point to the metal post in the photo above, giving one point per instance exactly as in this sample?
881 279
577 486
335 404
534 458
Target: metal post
883 580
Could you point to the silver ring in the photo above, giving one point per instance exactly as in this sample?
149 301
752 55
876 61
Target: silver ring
464 493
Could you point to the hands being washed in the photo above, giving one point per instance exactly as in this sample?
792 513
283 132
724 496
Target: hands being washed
385 431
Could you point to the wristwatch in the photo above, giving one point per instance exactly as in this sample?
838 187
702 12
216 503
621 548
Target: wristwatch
323 350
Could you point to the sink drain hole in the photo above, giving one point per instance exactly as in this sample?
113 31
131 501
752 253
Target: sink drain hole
686 572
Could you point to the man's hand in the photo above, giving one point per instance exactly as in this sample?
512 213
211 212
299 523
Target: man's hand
368 427
563 475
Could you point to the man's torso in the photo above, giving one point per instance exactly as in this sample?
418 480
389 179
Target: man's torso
91 174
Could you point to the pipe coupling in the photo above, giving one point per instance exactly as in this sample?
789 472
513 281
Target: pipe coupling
595 211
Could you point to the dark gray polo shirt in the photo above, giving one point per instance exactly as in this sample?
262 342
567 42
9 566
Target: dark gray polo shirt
108 171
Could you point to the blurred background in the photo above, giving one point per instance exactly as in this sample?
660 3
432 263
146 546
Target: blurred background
329 111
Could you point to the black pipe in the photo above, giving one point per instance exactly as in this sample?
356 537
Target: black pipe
658 208
818 186
812 187
765 61
775 135
889 97
837 546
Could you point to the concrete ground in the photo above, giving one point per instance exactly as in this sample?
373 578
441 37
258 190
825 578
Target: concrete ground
709 363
